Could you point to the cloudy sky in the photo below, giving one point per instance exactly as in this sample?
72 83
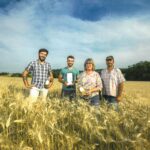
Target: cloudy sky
83 28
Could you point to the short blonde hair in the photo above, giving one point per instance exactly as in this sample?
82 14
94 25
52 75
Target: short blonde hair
89 60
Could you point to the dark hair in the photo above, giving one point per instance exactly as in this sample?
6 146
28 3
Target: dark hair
70 56
43 50
110 57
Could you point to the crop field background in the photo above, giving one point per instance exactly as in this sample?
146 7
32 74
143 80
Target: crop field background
62 125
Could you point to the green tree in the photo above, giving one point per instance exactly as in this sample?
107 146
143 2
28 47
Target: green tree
139 71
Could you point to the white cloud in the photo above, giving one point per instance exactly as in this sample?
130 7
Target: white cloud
24 31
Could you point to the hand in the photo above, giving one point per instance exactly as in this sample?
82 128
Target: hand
118 98
29 86
88 92
47 86
65 84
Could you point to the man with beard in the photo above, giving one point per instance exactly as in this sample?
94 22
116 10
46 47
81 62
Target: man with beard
68 77
42 77
113 82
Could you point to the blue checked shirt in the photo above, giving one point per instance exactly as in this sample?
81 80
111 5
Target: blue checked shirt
40 73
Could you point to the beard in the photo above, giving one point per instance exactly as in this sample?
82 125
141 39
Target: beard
110 65
70 65
42 59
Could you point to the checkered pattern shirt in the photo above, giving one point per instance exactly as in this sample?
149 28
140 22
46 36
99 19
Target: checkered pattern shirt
40 73
111 80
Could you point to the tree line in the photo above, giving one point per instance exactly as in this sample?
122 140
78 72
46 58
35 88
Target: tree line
136 72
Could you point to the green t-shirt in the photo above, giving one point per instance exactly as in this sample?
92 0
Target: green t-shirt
69 75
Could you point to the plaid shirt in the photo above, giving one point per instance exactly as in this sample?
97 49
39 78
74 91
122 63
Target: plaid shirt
40 73
111 80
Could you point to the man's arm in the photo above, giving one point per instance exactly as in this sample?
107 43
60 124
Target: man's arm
120 90
61 80
77 77
51 79
25 81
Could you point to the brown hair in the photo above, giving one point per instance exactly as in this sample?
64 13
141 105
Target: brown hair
89 60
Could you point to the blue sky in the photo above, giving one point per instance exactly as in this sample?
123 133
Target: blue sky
83 28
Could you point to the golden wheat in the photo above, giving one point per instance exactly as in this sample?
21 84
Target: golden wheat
63 125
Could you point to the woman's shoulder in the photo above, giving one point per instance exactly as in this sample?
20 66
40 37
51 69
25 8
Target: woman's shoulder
95 73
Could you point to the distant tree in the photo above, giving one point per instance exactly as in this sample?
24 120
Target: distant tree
56 72
16 75
139 71
136 72
4 74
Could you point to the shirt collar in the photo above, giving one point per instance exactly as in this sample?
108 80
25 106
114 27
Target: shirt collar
69 68
111 70
38 61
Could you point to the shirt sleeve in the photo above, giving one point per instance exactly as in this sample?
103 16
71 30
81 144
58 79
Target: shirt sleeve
30 67
61 72
80 80
120 76
49 68
101 74
77 74
99 81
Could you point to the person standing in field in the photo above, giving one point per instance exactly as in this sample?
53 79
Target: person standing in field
89 83
42 77
113 82
68 77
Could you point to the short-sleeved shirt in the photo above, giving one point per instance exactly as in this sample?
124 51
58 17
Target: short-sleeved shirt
73 72
111 81
90 81
40 73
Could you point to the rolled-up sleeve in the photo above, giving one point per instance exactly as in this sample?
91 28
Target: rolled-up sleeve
99 82
49 69
29 67
120 77
80 80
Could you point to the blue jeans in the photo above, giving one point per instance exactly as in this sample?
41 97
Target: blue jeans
71 94
111 100
93 100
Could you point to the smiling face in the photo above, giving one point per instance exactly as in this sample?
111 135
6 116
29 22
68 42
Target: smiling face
110 62
89 66
42 56
70 62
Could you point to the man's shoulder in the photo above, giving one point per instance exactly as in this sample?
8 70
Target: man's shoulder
33 62
103 70
117 70
46 62
75 69
63 69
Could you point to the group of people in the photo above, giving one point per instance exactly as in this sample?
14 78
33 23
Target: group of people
89 84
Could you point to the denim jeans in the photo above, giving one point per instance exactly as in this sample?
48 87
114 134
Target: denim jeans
92 100
112 101
71 94
95 100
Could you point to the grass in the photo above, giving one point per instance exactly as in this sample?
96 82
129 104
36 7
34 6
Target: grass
64 125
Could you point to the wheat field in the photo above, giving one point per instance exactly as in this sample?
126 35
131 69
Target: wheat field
63 125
